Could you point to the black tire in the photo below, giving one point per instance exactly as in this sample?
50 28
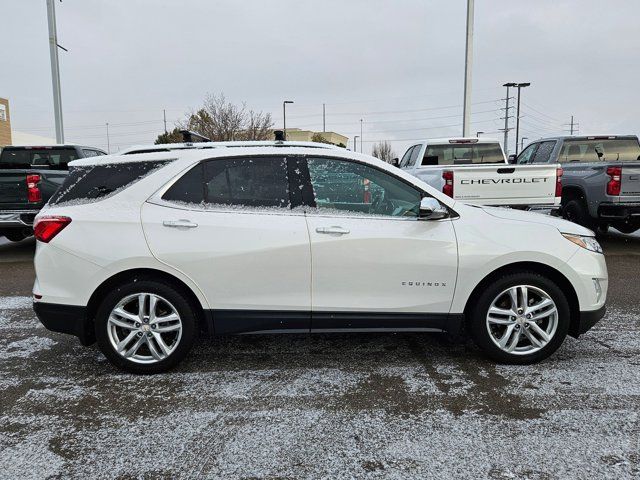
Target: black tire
478 317
625 227
576 211
179 301
15 236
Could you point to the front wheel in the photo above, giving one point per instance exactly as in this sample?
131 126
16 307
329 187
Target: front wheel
145 326
521 318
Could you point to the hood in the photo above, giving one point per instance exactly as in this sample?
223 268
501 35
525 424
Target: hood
563 226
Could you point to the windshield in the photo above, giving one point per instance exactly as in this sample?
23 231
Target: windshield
53 158
602 150
463 154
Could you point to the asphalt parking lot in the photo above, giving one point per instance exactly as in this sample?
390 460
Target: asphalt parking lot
322 406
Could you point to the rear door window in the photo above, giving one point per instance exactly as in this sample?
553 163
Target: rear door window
91 183
256 182
53 158
600 150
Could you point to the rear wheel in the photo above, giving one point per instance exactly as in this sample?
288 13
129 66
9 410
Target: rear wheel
145 327
576 211
521 318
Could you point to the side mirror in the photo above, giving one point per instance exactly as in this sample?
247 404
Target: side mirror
512 159
432 209
395 162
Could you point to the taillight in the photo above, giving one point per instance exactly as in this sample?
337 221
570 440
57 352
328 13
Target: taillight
33 191
46 228
614 185
447 189
559 173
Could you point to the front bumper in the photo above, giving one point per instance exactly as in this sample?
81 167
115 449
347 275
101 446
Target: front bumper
619 211
17 218
586 321
69 319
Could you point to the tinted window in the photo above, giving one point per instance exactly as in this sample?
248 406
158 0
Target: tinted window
462 154
414 155
543 153
341 186
53 158
249 182
95 182
527 154
604 150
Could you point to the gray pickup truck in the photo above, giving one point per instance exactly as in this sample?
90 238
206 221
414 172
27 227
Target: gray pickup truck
601 178
28 177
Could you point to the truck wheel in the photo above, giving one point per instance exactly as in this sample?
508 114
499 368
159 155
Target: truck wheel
15 236
145 326
521 318
576 211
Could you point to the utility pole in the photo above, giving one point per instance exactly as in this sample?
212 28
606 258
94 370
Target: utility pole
324 123
519 86
355 145
108 145
522 142
55 70
164 114
506 118
466 114
360 135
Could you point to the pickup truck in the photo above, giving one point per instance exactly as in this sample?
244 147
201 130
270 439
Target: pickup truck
28 177
476 171
601 182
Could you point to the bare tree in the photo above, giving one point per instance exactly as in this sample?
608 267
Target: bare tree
383 151
220 120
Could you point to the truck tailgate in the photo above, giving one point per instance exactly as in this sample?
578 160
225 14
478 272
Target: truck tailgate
506 184
13 187
630 181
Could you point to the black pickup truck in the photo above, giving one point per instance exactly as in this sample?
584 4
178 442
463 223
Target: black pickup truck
28 177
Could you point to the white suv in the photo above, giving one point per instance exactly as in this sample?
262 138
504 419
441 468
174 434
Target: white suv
144 252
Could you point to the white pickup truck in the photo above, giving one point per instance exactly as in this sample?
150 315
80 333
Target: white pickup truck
476 171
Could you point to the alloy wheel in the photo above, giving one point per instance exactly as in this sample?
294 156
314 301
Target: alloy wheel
144 328
522 320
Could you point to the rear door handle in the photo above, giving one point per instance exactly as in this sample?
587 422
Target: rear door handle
333 230
506 170
182 223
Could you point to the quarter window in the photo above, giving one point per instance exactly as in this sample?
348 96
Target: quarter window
345 187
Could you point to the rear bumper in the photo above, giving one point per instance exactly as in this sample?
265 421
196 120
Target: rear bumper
69 319
619 211
587 320
17 218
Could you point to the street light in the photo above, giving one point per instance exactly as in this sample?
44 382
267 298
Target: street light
284 117
478 134
519 86
522 142
354 143
506 117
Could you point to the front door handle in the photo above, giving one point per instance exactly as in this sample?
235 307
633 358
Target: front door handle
335 230
182 223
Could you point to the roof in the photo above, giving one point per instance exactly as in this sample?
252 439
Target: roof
449 140
58 145
587 137
208 145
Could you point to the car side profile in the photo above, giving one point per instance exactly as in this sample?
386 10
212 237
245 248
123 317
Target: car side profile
142 253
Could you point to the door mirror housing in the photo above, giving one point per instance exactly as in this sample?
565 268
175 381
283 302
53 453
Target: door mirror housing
512 159
432 209
395 162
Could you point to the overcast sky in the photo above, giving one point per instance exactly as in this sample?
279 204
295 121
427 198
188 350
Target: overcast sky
397 64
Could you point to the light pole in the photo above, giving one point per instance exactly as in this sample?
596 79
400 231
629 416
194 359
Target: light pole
468 60
522 142
55 70
108 143
478 134
284 117
355 146
360 135
506 118
519 86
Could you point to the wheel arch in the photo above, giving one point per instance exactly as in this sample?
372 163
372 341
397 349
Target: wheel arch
572 192
132 275
556 276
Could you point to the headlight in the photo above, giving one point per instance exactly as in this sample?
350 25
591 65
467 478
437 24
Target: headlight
590 243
